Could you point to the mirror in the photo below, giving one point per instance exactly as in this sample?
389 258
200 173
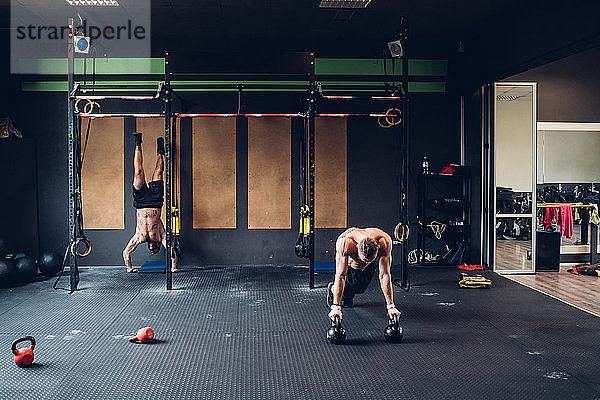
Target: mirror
514 153
513 245
569 172
568 152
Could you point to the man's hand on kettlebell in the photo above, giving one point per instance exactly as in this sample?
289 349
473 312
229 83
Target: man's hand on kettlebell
335 313
393 311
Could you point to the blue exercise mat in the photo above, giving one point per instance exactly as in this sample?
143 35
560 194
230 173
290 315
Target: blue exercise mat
153 266
324 266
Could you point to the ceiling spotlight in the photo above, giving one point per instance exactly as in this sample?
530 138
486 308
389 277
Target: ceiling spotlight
344 3
396 48
93 3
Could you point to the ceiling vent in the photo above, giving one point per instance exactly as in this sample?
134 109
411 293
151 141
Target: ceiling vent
93 3
344 3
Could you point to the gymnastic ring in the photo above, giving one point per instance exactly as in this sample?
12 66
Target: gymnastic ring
382 125
405 232
77 106
88 247
91 105
399 116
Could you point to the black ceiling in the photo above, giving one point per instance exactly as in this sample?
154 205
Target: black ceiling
435 26
500 36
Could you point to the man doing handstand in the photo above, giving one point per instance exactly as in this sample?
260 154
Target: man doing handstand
148 202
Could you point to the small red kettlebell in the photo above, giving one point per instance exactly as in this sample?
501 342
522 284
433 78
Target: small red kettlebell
144 335
24 356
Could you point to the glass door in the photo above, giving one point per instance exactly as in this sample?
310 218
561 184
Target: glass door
513 158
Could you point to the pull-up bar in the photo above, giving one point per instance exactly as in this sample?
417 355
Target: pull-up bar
116 98
296 115
354 97
238 115
122 115
375 115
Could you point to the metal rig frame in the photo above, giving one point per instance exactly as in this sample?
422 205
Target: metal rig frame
308 194
307 156
163 92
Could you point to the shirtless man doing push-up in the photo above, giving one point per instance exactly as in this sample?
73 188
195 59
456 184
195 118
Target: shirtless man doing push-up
355 253
148 201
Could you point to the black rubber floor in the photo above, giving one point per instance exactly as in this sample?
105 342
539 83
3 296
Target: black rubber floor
259 333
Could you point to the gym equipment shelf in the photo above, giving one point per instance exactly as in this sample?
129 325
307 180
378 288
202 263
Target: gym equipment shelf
457 208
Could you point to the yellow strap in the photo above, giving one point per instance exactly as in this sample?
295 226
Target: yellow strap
175 220
306 225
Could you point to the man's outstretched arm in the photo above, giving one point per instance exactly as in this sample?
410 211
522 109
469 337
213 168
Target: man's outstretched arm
385 280
131 246
341 269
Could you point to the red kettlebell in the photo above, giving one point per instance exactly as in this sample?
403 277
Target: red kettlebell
144 335
24 356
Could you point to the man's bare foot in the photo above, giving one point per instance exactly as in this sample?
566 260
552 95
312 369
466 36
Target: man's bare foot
132 270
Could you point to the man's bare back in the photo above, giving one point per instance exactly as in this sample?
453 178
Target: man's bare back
358 248
350 249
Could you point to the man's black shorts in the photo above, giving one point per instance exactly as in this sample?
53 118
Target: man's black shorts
149 196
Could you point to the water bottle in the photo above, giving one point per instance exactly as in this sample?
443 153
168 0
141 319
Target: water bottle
425 166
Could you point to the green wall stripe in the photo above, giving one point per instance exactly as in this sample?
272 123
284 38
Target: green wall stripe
427 67
362 66
104 66
355 66
426 87
54 86
61 86
323 66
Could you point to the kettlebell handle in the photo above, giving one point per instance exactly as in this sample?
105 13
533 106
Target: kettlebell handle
395 320
23 339
337 321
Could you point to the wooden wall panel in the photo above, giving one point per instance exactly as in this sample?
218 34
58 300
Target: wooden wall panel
269 173
151 128
102 185
214 173
331 179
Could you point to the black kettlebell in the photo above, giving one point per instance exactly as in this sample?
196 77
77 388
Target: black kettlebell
336 334
393 332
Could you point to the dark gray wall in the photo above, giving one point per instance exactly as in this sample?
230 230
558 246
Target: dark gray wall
18 202
530 35
568 89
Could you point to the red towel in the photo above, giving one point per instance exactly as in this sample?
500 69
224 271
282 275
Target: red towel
566 221
471 267
550 213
